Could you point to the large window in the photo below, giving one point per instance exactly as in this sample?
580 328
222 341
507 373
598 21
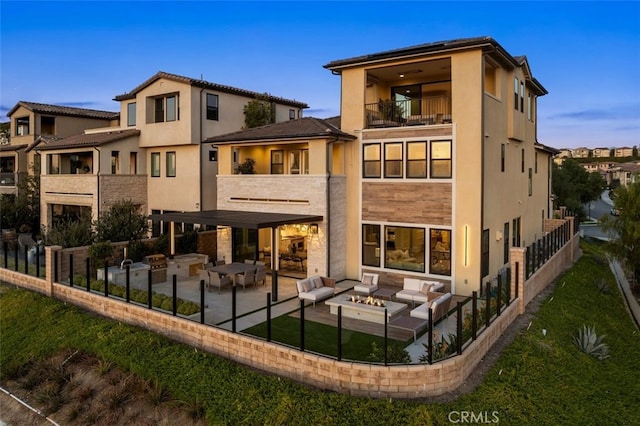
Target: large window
371 163
171 164
155 164
505 238
441 159
131 114
405 248
502 157
212 107
299 162
440 253
393 160
485 253
277 162
516 87
115 162
371 245
166 108
416 159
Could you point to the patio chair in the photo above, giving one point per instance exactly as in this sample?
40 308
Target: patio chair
368 284
249 261
249 277
220 262
218 280
261 275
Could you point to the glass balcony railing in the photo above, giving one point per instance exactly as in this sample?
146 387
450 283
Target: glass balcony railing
410 112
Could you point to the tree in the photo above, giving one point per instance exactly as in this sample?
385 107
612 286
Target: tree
22 210
573 186
259 112
123 222
625 228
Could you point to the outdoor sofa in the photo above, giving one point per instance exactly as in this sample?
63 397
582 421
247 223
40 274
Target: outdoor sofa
416 290
438 302
316 288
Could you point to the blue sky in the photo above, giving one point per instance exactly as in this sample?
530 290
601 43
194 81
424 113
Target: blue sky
84 53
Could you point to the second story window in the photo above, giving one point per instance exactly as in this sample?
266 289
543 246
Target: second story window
212 107
516 87
416 159
292 114
165 108
371 164
502 155
155 164
22 126
522 96
529 107
171 164
393 160
441 159
131 114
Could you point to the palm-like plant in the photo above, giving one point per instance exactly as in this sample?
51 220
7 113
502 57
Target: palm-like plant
590 343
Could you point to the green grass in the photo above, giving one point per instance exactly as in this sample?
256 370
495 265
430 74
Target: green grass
538 380
321 338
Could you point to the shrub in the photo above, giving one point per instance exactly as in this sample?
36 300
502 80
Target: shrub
138 250
396 354
161 245
441 348
602 285
590 343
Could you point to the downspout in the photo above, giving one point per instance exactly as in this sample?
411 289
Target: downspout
98 178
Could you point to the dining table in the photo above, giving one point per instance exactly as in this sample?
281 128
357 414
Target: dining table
233 269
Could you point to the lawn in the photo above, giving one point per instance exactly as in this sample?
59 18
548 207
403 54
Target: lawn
539 379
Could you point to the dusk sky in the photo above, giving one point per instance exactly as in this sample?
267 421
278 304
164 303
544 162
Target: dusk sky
586 54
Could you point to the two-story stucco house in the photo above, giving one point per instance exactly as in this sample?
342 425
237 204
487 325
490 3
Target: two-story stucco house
34 124
439 167
155 157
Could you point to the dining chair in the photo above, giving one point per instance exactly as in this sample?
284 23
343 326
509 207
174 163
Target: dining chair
218 280
261 275
246 278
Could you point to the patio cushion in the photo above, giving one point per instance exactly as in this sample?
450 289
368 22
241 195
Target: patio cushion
317 281
307 285
367 280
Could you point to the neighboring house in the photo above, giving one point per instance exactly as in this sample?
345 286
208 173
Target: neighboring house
601 152
624 174
155 157
581 153
624 151
34 124
564 153
301 168
443 175
86 174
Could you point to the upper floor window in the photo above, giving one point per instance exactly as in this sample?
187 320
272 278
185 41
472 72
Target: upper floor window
516 88
530 182
22 126
292 114
529 107
171 164
371 163
522 161
165 108
212 107
155 164
131 114
393 160
502 157
441 159
505 238
522 96
416 159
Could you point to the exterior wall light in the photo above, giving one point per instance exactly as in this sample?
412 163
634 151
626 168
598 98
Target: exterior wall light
313 229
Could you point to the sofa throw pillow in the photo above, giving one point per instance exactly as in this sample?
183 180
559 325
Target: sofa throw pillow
307 285
425 289
367 280
317 282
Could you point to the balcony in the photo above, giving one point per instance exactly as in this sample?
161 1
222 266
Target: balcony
429 110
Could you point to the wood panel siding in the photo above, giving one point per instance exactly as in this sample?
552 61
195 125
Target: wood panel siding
408 132
428 203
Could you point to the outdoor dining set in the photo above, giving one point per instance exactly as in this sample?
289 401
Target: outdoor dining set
223 274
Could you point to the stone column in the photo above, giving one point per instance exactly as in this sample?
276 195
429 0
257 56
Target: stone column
50 267
517 255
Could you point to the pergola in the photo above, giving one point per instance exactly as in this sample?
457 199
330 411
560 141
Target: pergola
239 219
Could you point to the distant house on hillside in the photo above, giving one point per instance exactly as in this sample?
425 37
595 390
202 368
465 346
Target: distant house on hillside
601 152
581 152
624 151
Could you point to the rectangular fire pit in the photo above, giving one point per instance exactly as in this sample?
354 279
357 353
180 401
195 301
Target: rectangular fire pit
364 311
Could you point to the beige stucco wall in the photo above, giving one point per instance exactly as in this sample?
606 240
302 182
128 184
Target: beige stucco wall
179 193
466 102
